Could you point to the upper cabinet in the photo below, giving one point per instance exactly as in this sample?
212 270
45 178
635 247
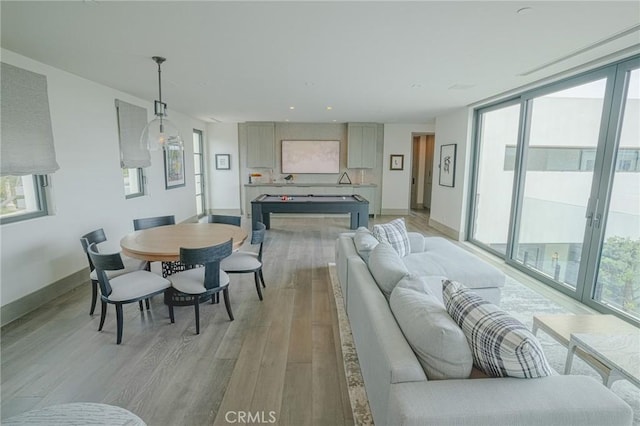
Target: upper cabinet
261 143
362 145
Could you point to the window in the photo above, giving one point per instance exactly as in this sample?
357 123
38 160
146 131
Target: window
22 197
198 165
569 153
133 182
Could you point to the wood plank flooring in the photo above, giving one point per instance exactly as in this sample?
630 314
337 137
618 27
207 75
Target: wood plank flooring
279 360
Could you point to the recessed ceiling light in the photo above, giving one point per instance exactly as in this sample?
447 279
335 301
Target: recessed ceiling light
286 119
416 86
329 108
335 121
309 83
292 107
524 10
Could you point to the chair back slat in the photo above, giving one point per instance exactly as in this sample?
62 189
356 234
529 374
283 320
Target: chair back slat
229 220
98 236
257 237
152 222
210 257
103 263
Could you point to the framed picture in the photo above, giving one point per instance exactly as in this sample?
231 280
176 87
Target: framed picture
447 165
173 168
223 161
396 162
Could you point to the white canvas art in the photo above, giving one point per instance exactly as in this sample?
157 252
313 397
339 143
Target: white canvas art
310 156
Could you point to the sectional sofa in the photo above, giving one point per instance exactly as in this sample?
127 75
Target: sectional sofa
400 392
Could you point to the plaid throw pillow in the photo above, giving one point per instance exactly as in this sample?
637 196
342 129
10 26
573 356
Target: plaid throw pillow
501 345
395 234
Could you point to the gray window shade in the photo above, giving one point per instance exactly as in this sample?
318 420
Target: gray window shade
131 122
27 139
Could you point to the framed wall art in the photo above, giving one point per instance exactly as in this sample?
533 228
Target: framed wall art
396 162
223 161
174 168
447 165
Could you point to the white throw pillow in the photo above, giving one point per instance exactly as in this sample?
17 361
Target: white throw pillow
395 234
438 342
364 242
386 267
501 345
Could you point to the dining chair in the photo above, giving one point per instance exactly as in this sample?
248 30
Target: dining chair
130 264
152 222
126 288
204 278
242 262
221 218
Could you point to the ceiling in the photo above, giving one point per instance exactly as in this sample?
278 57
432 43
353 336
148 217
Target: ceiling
389 62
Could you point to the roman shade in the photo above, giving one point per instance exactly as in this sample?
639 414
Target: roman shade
27 138
131 122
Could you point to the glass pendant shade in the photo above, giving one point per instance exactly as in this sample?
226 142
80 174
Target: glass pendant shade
160 133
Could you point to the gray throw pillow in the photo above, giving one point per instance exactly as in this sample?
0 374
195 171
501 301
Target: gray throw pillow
364 242
386 267
501 345
438 342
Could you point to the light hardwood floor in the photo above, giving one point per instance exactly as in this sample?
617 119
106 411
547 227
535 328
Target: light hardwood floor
278 360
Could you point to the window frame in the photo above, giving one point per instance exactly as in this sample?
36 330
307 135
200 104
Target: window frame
40 183
141 179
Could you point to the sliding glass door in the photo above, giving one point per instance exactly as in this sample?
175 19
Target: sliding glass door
617 278
561 140
557 186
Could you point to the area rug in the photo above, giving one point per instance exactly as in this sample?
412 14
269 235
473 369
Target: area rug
520 301
355 383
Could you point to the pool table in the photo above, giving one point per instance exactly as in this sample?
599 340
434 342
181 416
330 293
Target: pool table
263 205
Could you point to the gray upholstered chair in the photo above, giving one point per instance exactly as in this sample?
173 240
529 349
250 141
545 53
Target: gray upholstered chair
130 264
126 288
220 218
152 222
242 262
204 278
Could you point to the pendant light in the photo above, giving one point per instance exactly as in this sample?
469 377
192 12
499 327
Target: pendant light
160 133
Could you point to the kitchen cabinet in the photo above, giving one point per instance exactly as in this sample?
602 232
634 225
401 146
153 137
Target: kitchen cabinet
362 140
261 145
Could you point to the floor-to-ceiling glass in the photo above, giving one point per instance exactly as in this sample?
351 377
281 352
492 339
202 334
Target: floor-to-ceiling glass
618 276
573 220
563 132
497 136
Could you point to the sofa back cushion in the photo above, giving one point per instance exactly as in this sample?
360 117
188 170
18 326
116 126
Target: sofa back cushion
501 345
386 267
437 341
364 241
395 234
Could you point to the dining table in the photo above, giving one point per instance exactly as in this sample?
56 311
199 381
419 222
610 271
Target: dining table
163 243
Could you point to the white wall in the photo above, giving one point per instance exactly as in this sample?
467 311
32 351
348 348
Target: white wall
396 184
449 205
88 189
223 185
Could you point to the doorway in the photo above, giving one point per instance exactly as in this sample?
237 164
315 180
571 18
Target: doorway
422 171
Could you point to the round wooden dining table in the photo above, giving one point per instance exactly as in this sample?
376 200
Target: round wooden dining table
163 243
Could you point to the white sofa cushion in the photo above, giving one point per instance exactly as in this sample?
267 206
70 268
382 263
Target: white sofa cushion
364 242
501 345
395 234
386 267
438 342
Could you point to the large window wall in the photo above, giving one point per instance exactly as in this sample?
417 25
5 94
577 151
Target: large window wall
557 185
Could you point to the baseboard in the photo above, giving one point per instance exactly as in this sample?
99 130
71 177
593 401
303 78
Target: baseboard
449 232
18 308
394 212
